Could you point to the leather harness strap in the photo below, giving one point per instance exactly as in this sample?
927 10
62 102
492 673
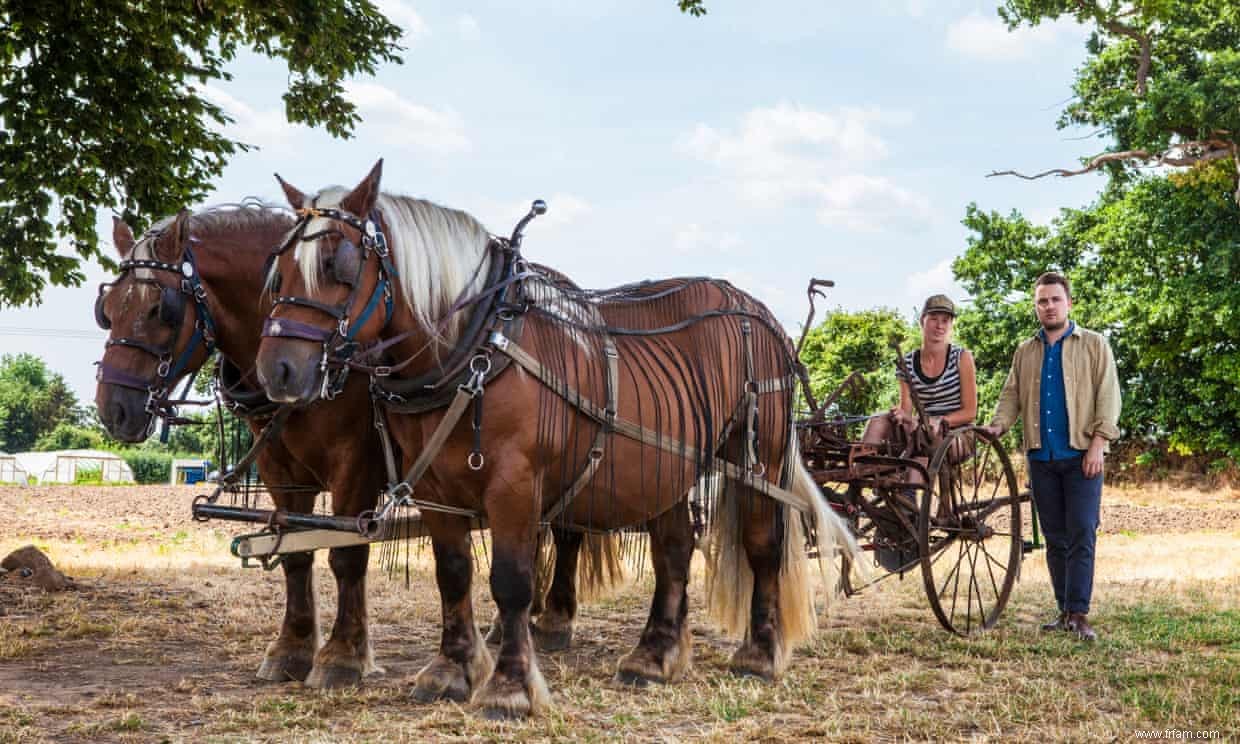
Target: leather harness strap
641 434
606 427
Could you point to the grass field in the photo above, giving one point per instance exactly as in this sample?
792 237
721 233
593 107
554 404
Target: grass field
162 636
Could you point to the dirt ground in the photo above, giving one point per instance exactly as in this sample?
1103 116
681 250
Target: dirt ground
162 631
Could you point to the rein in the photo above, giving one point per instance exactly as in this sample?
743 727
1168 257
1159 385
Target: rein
160 386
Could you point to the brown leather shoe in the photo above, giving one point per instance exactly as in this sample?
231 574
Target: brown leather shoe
1060 623
1079 625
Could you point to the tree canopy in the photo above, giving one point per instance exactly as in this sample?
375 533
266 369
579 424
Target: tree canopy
103 106
33 401
1159 82
857 341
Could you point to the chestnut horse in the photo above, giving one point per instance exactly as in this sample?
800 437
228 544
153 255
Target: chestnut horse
224 251
154 314
614 405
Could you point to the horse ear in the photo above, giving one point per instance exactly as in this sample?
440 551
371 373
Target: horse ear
296 199
362 199
122 237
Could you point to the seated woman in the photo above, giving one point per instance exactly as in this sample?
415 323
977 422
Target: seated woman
944 378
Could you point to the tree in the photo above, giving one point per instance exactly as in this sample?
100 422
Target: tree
846 342
103 106
1156 265
69 436
1160 81
33 401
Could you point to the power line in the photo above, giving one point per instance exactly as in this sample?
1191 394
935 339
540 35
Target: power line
77 333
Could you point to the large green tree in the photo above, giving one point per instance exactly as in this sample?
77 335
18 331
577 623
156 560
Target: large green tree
1155 265
103 106
33 401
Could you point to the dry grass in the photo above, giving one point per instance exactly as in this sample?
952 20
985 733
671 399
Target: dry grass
162 637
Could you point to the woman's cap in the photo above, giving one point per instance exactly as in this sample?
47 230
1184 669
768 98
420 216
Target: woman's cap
938 303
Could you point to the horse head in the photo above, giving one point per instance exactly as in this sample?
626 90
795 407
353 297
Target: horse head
331 281
158 326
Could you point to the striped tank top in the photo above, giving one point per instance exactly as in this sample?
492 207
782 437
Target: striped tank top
940 395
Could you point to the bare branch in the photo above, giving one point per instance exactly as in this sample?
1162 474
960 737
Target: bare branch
1183 154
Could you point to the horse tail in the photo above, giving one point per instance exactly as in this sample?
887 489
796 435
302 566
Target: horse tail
729 579
601 570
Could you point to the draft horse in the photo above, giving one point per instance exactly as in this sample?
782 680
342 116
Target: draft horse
591 410
194 284
189 286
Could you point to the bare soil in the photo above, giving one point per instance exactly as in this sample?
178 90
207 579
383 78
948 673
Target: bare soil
160 634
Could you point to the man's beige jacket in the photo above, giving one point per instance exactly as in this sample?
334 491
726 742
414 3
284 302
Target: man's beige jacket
1091 388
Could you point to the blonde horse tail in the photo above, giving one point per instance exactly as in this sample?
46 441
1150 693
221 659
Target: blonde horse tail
833 537
601 569
729 579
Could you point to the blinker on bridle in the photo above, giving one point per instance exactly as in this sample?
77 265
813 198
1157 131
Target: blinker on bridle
339 341
172 304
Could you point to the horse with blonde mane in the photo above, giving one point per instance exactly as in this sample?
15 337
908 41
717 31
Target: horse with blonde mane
153 319
590 411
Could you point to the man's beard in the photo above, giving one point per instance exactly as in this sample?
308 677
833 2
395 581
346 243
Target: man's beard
1053 328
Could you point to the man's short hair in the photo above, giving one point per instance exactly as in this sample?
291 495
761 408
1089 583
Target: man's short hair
1052 277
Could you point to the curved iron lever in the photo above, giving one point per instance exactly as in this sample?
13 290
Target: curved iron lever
539 207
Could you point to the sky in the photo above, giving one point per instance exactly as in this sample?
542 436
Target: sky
765 143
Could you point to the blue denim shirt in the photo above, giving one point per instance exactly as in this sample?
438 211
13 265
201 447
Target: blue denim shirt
1054 404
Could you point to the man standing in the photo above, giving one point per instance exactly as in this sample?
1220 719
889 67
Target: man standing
1064 386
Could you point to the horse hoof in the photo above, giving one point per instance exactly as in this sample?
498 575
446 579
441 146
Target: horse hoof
747 673
636 679
496 713
333 677
456 691
552 640
285 668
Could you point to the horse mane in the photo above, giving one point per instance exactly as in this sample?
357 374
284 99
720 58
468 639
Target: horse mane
439 253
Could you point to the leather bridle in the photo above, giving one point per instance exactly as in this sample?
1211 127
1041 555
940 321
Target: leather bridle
173 301
339 341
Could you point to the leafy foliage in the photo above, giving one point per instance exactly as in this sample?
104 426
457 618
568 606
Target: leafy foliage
70 436
1160 74
1156 266
148 466
860 341
114 99
33 401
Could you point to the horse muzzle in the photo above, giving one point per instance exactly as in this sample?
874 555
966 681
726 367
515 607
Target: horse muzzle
289 370
122 411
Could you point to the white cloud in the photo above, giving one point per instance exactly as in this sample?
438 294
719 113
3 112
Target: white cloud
401 123
937 279
695 240
988 38
401 14
467 27
790 153
267 129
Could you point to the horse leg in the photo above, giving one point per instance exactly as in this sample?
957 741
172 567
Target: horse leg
516 687
290 656
463 660
665 650
347 656
553 630
763 652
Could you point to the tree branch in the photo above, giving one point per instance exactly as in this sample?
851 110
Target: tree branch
1145 41
1183 154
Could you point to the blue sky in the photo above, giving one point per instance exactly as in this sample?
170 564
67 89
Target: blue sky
765 143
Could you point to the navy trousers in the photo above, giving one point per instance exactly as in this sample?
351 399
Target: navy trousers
1068 507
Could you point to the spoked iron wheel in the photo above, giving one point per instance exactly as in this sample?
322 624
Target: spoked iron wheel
969 531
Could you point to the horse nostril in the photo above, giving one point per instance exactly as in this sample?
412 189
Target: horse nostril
284 374
118 415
